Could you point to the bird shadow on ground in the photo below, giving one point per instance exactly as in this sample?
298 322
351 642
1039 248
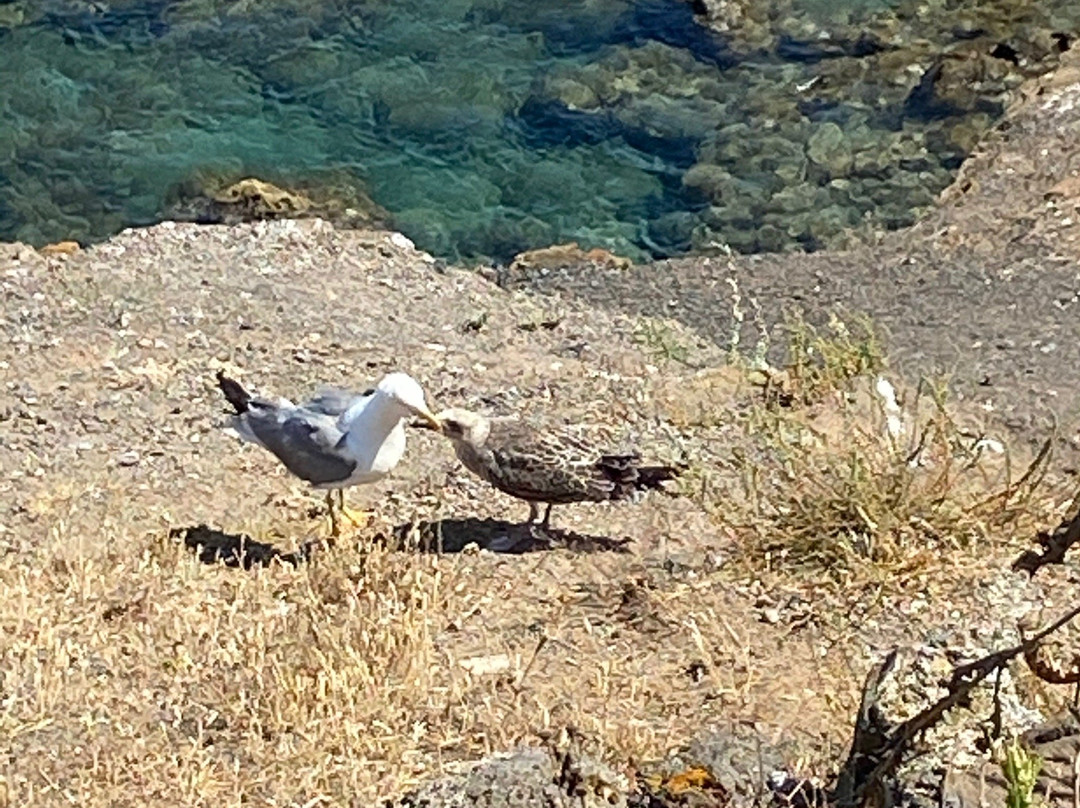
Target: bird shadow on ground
214 546
498 536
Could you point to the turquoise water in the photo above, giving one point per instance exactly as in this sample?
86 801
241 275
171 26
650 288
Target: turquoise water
451 115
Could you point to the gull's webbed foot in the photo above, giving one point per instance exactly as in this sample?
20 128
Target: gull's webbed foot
359 518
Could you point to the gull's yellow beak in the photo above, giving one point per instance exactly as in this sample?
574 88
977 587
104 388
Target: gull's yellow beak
427 420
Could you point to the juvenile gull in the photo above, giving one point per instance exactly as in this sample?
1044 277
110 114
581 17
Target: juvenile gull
336 439
548 467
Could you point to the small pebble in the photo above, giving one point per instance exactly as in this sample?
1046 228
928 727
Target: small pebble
129 458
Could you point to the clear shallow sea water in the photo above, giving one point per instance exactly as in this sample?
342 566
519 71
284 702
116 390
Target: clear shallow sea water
439 109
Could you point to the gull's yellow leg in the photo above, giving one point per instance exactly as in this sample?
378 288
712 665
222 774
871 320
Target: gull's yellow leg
335 527
358 518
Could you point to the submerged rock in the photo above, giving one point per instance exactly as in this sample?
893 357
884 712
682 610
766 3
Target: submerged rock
828 148
211 201
899 94
11 15
891 100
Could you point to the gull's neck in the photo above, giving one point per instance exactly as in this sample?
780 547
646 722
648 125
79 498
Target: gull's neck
482 430
368 424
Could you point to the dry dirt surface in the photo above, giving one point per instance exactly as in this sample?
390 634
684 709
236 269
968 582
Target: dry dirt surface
171 637
172 631
135 673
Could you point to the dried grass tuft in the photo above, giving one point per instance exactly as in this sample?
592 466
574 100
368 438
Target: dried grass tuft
835 474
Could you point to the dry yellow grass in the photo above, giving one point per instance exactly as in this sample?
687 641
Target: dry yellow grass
139 676
134 675
142 673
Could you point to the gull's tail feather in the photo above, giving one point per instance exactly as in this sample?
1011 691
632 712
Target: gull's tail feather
627 477
245 406
235 394
655 476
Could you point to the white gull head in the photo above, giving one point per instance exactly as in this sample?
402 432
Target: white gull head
401 391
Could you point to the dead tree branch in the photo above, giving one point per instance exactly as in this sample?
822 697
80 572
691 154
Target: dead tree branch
878 750
1054 545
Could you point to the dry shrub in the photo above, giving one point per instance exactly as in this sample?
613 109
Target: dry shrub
819 362
835 476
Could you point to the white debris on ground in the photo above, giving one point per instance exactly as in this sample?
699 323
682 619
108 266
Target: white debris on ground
894 423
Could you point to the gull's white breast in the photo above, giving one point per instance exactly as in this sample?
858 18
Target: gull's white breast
374 438
381 460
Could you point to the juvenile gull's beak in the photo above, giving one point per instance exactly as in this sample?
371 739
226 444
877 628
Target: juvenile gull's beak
426 420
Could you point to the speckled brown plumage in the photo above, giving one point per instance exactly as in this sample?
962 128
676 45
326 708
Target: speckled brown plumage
541 466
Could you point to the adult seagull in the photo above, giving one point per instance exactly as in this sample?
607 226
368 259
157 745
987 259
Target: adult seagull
336 439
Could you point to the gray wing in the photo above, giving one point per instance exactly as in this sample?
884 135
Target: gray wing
333 400
308 442
543 465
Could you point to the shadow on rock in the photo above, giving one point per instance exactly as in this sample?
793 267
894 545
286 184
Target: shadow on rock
498 536
213 546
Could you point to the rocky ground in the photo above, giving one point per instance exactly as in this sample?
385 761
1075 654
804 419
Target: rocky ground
619 653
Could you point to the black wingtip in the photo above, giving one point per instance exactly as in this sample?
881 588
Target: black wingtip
234 392
627 476
656 476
